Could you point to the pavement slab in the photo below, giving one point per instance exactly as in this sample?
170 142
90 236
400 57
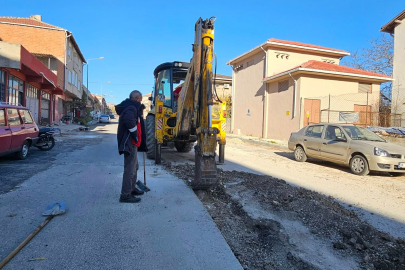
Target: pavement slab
169 229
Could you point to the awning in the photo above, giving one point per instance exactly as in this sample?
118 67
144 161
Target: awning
15 56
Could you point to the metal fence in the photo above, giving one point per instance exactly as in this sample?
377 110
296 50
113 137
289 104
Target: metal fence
363 109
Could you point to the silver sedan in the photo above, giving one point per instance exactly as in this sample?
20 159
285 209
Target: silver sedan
104 119
351 145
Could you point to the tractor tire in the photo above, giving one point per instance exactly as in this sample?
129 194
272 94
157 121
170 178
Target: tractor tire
150 136
184 147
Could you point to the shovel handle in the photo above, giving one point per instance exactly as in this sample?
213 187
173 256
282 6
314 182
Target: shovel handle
17 249
144 170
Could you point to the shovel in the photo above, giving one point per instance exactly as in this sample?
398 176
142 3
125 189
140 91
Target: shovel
139 183
51 210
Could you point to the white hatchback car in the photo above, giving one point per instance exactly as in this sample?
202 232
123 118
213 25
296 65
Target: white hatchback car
104 119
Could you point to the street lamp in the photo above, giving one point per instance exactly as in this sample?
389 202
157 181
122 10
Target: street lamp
102 112
102 57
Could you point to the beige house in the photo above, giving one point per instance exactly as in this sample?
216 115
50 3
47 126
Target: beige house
223 86
396 27
281 86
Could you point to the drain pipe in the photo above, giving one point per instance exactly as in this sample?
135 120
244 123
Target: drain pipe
295 95
264 125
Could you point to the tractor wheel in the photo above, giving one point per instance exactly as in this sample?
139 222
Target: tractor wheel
150 136
184 147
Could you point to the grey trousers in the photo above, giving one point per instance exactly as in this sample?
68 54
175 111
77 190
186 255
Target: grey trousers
129 178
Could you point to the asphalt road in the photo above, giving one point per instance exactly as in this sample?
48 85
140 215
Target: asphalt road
169 229
14 172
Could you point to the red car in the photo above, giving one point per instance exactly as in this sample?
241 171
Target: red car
18 130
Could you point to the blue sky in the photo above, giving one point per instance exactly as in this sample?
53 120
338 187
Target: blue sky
136 36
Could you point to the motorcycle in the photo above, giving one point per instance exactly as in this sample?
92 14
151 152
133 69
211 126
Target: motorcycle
46 141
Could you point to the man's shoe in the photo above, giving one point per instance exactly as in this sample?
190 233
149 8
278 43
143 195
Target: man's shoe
137 192
130 199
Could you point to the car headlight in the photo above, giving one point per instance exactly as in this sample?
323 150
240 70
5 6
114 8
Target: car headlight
381 152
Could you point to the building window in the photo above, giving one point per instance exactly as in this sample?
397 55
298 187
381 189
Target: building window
250 63
283 86
79 85
46 95
69 52
15 90
364 87
70 77
74 79
2 85
32 92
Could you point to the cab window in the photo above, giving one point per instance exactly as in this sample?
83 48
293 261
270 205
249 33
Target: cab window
27 119
314 131
2 118
164 87
13 117
332 132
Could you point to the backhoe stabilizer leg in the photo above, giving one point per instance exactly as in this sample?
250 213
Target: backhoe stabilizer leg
205 171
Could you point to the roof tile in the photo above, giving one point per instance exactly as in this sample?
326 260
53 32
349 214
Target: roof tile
27 21
318 65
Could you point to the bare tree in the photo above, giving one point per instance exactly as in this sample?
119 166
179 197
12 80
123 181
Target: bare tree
376 58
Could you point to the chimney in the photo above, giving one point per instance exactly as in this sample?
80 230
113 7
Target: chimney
36 17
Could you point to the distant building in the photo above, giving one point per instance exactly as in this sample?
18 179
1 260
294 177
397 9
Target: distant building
223 85
147 103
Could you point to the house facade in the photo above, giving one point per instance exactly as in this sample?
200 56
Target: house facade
56 48
281 86
396 27
223 86
27 81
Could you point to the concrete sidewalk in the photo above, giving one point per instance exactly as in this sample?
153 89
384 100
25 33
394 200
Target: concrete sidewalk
169 229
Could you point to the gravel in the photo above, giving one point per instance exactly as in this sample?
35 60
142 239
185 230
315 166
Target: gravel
270 224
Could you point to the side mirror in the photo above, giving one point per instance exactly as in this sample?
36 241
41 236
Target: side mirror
150 98
341 139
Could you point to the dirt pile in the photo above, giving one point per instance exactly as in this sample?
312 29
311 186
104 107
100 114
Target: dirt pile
270 224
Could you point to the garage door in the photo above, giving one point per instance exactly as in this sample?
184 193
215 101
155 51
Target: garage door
33 101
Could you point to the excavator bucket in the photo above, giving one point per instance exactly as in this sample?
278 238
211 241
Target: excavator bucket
205 172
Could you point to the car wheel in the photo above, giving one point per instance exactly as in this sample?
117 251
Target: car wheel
396 174
22 154
359 165
299 154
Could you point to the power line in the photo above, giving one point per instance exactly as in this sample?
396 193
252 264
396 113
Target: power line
124 83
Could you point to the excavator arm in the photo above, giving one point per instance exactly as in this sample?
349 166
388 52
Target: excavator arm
194 115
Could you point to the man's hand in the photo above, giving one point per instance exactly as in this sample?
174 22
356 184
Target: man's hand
134 135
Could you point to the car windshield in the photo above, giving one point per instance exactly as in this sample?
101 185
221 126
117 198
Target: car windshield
361 133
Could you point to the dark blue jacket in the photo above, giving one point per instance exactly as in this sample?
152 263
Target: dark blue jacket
129 111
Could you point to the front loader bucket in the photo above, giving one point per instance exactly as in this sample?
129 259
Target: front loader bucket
205 172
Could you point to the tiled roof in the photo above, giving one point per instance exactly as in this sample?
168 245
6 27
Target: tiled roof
27 21
219 76
303 45
323 66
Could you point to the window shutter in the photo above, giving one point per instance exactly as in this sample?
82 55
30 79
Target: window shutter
364 88
283 86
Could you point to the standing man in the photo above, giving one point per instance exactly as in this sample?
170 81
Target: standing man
128 135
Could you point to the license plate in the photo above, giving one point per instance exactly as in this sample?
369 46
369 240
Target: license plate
401 165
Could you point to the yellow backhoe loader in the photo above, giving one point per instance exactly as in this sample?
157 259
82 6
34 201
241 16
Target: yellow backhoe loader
186 110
